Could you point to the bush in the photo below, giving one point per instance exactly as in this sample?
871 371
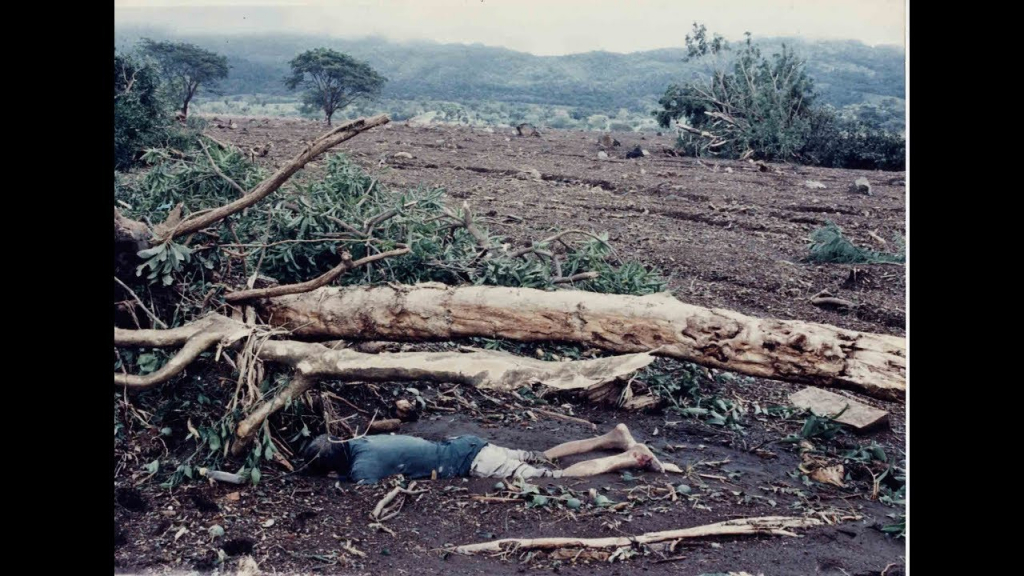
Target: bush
139 116
766 108
841 143
828 245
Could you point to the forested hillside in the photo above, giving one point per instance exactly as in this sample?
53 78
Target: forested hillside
846 73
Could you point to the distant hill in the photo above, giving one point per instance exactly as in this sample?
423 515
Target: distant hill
845 72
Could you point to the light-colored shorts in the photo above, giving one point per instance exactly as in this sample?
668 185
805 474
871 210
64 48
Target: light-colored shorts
498 462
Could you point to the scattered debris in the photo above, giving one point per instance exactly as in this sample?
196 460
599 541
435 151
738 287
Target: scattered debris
223 476
602 155
527 130
261 151
879 240
607 141
379 426
637 152
814 185
404 155
529 174
381 512
247 567
825 299
861 186
405 410
829 475
856 414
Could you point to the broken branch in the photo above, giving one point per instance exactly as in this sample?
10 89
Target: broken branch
325 142
768 525
322 280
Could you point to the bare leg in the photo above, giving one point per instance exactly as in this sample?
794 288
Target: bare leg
639 456
618 438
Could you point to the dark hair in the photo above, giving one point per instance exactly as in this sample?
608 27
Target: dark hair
325 454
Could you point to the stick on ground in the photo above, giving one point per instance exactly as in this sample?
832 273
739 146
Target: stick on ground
767 525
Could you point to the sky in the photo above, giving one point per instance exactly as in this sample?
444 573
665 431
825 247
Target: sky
542 27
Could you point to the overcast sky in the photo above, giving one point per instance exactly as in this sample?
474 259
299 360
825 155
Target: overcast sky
543 27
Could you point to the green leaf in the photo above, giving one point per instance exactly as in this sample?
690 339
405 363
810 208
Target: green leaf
573 503
149 253
255 475
153 466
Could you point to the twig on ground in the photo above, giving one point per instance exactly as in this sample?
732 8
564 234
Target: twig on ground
139 301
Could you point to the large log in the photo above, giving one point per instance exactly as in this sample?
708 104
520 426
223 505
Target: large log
818 354
312 362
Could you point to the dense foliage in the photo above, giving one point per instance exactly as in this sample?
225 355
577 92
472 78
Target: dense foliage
139 116
752 105
185 67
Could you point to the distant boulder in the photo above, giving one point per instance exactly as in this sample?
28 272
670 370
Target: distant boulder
637 152
527 130
861 186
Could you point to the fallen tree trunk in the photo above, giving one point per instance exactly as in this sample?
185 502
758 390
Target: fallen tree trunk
767 525
804 352
313 362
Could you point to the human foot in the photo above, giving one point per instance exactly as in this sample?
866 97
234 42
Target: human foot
623 439
645 459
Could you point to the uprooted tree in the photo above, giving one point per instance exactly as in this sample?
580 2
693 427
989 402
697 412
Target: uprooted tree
215 260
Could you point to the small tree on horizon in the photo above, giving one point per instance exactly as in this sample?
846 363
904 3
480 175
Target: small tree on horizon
185 67
332 80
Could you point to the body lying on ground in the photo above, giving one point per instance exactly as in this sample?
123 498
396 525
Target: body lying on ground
369 459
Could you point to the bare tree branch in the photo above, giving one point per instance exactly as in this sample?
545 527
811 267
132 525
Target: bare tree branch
322 280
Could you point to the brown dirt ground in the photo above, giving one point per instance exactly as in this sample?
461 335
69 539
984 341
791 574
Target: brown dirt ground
728 239
731 239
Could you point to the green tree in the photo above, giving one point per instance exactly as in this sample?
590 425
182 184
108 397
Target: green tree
186 66
757 106
332 80
139 117
753 105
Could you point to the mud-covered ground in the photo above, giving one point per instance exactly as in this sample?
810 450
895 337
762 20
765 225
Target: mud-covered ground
296 524
728 236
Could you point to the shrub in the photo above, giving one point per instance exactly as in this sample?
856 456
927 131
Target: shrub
828 245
